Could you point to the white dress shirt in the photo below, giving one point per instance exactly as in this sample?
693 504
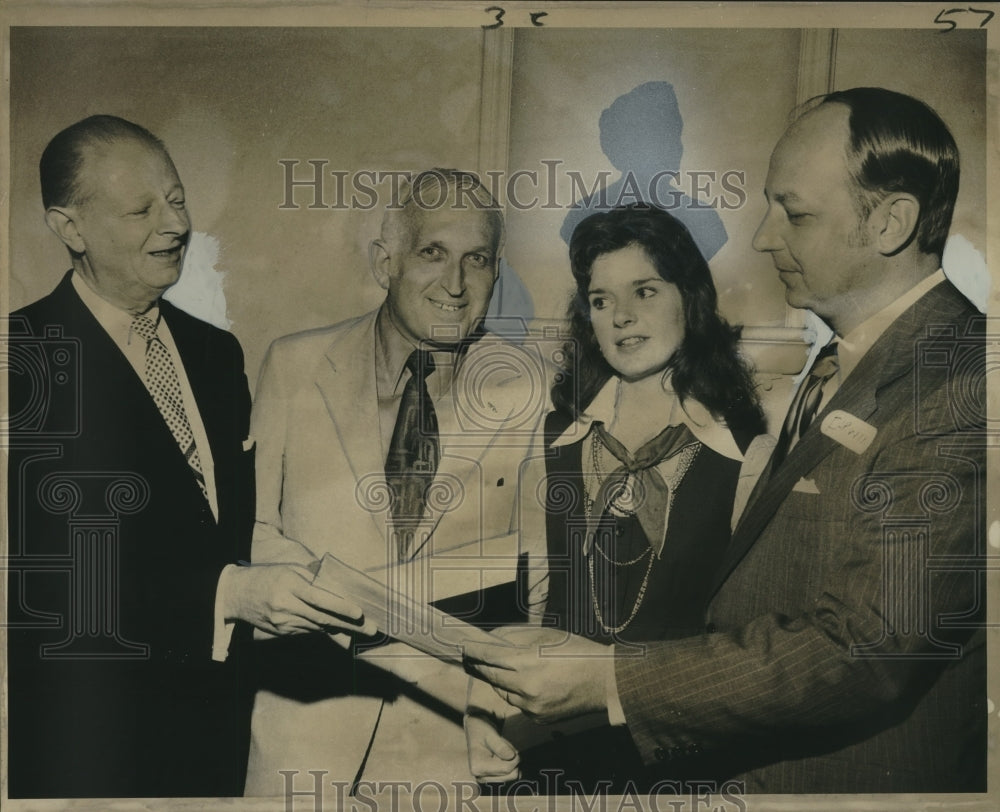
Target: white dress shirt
853 346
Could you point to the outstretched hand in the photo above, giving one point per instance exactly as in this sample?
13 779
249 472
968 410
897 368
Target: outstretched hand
492 759
280 599
549 674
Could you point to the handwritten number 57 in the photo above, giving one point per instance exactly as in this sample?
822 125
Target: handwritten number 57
942 15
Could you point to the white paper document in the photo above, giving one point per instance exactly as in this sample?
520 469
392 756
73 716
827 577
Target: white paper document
416 623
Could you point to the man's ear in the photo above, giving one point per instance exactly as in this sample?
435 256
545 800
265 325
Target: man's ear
898 215
379 261
62 221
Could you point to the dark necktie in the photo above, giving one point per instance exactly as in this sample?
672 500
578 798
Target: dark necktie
806 402
165 387
414 452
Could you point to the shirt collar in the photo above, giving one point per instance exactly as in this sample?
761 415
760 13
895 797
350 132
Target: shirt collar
116 322
707 430
392 349
852 347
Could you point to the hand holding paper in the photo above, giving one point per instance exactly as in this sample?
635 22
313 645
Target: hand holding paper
546 673
280 599
402 617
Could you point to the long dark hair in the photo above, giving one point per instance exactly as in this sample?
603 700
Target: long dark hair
706 366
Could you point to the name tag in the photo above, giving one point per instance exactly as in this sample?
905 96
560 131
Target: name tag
850 431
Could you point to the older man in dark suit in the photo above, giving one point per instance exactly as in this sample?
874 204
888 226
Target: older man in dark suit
844 646
131 501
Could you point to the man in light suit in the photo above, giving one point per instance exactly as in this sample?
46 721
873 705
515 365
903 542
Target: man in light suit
131 501
843 649
327 419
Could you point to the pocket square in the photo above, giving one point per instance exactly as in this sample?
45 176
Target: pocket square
249 443
806 486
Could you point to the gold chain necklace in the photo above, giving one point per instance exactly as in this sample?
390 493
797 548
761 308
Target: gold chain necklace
588 509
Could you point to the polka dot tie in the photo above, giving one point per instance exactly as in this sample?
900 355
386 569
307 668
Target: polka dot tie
165 387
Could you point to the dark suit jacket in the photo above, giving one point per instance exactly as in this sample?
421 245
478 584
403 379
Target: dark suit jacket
844 646
115 558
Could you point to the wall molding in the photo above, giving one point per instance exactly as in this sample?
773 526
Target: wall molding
816 76
817 63
495 104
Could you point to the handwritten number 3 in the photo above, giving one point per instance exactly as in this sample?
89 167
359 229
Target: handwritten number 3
498 17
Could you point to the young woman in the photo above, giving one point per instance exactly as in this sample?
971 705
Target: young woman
653 411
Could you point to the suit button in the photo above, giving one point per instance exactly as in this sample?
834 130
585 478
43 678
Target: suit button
711 628
660 754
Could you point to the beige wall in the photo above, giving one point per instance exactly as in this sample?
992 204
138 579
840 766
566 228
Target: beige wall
230 103
733 93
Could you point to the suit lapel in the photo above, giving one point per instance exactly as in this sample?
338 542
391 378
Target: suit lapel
890 357
217 389
206 387
462 460
98 348
110 366
346 381
116 393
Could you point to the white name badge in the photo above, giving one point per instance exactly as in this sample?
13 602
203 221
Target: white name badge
851 432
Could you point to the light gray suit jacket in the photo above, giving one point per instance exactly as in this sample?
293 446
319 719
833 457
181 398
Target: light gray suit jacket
321 488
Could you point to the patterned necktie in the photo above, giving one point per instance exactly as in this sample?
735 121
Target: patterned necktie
165 387
806 402
414 453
